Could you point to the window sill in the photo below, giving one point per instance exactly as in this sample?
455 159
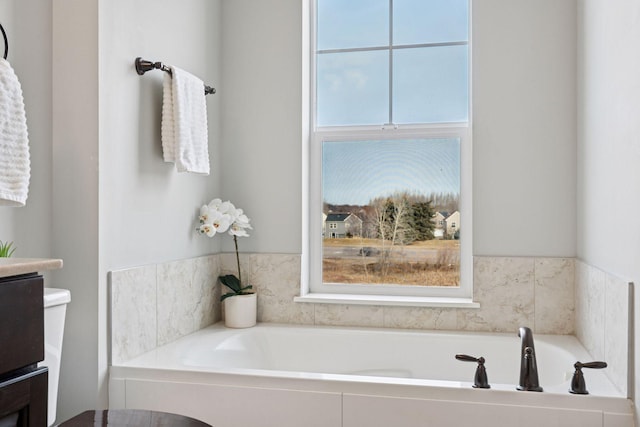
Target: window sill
388 300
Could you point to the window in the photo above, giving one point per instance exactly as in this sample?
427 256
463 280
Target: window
390 136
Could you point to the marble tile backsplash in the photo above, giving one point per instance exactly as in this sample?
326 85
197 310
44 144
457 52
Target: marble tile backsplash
602 320
134 321
156 304
512 292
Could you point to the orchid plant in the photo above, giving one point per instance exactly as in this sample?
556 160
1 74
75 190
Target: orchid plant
219 217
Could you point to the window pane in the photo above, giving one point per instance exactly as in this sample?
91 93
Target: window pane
391 212
352 88
352 23
430 21
430 85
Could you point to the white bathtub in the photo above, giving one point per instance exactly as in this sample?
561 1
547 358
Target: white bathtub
278 375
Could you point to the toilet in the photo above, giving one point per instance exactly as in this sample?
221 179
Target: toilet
55 308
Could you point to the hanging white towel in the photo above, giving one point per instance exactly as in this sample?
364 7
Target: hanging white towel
184 122
15 166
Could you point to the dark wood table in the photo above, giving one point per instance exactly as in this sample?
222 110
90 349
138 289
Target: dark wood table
131 418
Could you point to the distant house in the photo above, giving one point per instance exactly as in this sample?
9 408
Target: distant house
452 224
439 221
340 225
446 224
324 223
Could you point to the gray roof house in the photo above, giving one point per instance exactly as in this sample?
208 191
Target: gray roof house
340 225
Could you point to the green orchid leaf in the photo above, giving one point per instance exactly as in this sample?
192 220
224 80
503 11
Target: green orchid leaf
234 294
231 282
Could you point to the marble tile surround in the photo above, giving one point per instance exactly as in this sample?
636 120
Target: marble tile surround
512 292
155 304
603 320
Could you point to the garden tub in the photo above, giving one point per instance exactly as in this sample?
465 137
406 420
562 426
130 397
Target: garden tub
284 375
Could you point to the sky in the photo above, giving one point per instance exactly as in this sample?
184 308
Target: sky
428 85
357 172
365 23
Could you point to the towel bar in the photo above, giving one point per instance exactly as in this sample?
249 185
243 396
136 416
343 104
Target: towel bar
142 66
6 43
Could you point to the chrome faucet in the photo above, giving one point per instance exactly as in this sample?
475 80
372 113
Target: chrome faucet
528 366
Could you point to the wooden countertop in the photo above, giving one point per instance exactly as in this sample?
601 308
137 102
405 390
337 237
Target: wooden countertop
16 266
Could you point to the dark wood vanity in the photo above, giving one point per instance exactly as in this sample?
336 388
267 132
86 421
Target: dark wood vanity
23 386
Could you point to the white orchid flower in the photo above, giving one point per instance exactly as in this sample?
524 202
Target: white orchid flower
240 225
218 217
205 216
207 229
215 204
239 229
234 212
243 223
240 217
226 207
220 221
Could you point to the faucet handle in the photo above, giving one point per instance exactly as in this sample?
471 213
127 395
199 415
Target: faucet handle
466 358
578 385
592 365
480 379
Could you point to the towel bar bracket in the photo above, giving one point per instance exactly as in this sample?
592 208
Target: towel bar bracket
142 66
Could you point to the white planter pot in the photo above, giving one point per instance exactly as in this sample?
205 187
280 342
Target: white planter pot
241 311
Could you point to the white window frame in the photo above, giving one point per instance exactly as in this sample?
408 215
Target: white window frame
312 288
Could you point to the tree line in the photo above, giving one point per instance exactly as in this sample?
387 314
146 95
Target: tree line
400 218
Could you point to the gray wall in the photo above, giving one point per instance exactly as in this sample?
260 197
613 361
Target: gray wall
524 177
608 151
262 119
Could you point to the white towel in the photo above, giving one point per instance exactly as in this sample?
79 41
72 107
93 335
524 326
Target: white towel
184 122
15 166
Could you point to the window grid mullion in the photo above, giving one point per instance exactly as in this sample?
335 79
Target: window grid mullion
390 62
400 46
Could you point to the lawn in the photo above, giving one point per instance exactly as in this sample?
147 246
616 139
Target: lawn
427 263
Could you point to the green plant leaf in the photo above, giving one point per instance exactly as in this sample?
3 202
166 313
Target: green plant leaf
233 294
6 249
231 282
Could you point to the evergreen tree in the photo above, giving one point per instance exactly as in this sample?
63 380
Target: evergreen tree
422 225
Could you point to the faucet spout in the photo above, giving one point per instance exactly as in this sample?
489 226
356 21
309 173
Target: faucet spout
528 366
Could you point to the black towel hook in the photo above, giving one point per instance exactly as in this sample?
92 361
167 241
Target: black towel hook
6 43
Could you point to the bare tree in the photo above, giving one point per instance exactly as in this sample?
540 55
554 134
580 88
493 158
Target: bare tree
393 226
